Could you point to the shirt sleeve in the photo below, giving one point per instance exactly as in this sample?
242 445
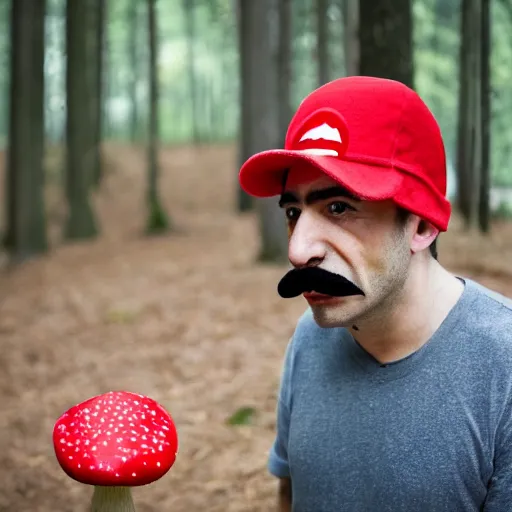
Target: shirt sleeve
499 495
278 457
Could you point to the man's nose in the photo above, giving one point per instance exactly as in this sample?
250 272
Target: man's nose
305 247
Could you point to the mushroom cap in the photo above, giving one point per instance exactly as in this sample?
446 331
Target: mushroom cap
117 438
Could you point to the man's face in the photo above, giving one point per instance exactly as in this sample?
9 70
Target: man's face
360 240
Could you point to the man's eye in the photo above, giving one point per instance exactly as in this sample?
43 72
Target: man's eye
338 208
292 213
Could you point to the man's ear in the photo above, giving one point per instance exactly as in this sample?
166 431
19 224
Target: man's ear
423 236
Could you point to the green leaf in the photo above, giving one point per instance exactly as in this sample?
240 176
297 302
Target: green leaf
242 416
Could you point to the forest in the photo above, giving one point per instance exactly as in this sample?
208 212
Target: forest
131 259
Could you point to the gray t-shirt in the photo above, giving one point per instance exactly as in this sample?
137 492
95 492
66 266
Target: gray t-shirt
429 433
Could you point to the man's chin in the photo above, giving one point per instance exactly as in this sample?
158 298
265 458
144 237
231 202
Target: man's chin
331 313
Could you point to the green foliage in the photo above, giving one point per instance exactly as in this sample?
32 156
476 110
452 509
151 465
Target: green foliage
242 416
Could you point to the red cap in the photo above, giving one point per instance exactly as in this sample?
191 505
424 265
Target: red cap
374 136
119 438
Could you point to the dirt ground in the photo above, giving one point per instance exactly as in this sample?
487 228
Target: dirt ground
186 318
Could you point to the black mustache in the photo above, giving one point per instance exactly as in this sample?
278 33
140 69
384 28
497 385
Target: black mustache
315 279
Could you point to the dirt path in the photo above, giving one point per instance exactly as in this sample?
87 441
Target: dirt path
186 319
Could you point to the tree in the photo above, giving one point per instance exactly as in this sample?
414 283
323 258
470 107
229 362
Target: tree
385 37
259 30
190 28
322 41
80 122
351 44
285 66
98 29
485 77
133 23
245 202
158 220
473 141
26 223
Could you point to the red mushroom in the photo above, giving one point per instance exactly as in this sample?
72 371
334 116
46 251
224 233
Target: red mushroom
115 441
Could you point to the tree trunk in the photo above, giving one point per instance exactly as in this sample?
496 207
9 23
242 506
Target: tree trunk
80 86
285 58
25 220
97 111
133 23
261 96
190 15
385 37
464 105
322 41
485 185
158 221
474 111
245 202
351 44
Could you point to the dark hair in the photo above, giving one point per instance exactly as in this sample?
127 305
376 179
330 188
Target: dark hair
403 216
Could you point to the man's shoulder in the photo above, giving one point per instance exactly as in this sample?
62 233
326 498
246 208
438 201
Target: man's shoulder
489 307
488 320
496 298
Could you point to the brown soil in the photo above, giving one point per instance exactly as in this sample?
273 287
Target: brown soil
186 318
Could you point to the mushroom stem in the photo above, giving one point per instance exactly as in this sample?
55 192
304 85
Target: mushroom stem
112 499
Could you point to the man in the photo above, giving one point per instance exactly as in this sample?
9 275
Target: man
396 391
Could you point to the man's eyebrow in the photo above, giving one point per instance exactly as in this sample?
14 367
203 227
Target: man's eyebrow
317 195
287 198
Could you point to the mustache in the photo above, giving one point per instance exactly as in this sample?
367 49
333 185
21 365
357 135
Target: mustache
315 279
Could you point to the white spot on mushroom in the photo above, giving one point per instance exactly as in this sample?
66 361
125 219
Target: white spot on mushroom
70 457
134 474
158 464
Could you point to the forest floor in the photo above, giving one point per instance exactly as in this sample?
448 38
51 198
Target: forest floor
187 318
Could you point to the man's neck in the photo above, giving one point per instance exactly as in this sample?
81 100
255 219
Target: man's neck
417 311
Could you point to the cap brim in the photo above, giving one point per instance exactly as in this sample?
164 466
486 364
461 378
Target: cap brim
262 174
